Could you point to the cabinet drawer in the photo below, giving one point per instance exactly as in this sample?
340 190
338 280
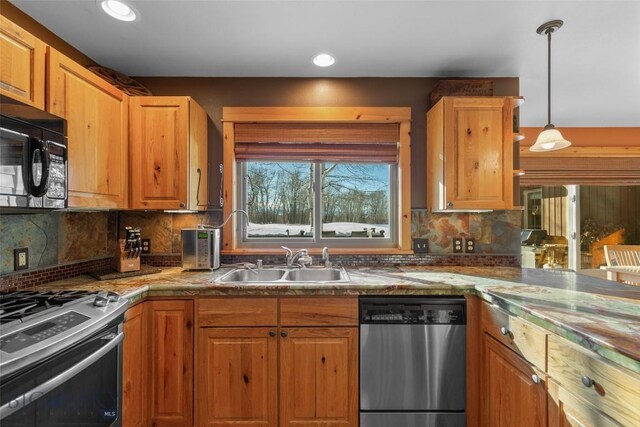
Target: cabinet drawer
519 335
320 311
568 410
614 391
230 311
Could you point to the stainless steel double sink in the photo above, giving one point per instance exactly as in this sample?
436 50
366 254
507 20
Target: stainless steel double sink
286 275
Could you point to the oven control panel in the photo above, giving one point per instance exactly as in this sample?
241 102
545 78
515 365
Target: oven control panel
41 331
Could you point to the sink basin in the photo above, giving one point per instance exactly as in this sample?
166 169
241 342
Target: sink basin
283 276
246 275
315 275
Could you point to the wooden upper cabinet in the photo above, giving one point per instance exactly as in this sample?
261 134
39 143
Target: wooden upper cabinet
168 140
22 57
470 153
97 130
319 377
171 345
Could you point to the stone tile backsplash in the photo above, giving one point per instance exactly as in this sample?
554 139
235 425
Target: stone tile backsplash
496 232
63 238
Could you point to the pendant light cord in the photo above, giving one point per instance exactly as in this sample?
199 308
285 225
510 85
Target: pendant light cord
549 77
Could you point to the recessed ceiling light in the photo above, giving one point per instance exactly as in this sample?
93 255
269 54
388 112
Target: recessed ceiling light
118 10
324 60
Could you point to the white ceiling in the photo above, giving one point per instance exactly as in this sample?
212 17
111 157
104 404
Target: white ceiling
596 54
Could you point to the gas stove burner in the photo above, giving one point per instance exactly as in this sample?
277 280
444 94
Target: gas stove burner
18 305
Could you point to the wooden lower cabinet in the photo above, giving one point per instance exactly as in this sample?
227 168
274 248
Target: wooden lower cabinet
171 373
291 368
568 410
237 377
511 396
134 368
319 377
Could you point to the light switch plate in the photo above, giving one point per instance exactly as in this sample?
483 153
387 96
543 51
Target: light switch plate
420 246
457 245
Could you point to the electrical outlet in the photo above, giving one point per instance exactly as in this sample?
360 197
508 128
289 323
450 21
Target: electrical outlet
20 259
457 245
146 246
420 246
470 245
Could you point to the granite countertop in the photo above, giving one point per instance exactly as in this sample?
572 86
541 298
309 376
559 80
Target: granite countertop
597 314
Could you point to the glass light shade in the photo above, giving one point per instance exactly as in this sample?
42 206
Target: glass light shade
550 139
324 60
118 10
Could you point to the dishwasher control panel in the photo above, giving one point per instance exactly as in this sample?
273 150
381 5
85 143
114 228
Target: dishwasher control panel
412 311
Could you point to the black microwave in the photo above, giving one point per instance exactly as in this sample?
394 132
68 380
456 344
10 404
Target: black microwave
33 157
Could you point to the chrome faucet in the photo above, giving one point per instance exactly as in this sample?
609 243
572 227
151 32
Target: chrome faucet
302 257
325 257
288 255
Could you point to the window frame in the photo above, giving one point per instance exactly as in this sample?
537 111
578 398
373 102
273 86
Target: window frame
232 244
317 241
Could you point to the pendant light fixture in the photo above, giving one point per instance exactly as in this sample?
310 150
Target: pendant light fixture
550 139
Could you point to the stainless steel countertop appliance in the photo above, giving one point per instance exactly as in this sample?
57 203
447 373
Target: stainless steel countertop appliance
200 248
412 362
61 358
33 157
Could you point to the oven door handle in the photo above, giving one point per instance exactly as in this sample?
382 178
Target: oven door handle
44 388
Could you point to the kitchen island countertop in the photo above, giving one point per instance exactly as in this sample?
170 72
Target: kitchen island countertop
597 314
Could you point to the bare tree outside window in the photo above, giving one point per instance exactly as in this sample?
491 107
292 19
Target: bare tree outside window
282 199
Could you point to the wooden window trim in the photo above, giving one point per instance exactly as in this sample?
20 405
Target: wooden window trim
315 115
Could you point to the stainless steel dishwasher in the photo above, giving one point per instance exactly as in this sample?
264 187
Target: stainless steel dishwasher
412 362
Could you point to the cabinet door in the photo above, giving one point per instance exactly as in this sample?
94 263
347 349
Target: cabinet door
171 382
159 152
97 129
568 410
22 56
135 368
237 377
510 394
319 377
478 153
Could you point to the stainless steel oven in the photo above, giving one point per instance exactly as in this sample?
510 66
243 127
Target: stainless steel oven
33 157
412 362
64 366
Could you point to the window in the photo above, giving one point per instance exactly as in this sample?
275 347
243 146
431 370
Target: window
317 176
596 215
318 203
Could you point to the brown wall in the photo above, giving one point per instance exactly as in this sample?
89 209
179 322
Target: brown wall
215 93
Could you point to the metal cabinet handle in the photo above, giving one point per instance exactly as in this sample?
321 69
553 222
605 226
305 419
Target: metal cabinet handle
284 334
535 379
504 330
182 205
272 333
587 382
450 204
